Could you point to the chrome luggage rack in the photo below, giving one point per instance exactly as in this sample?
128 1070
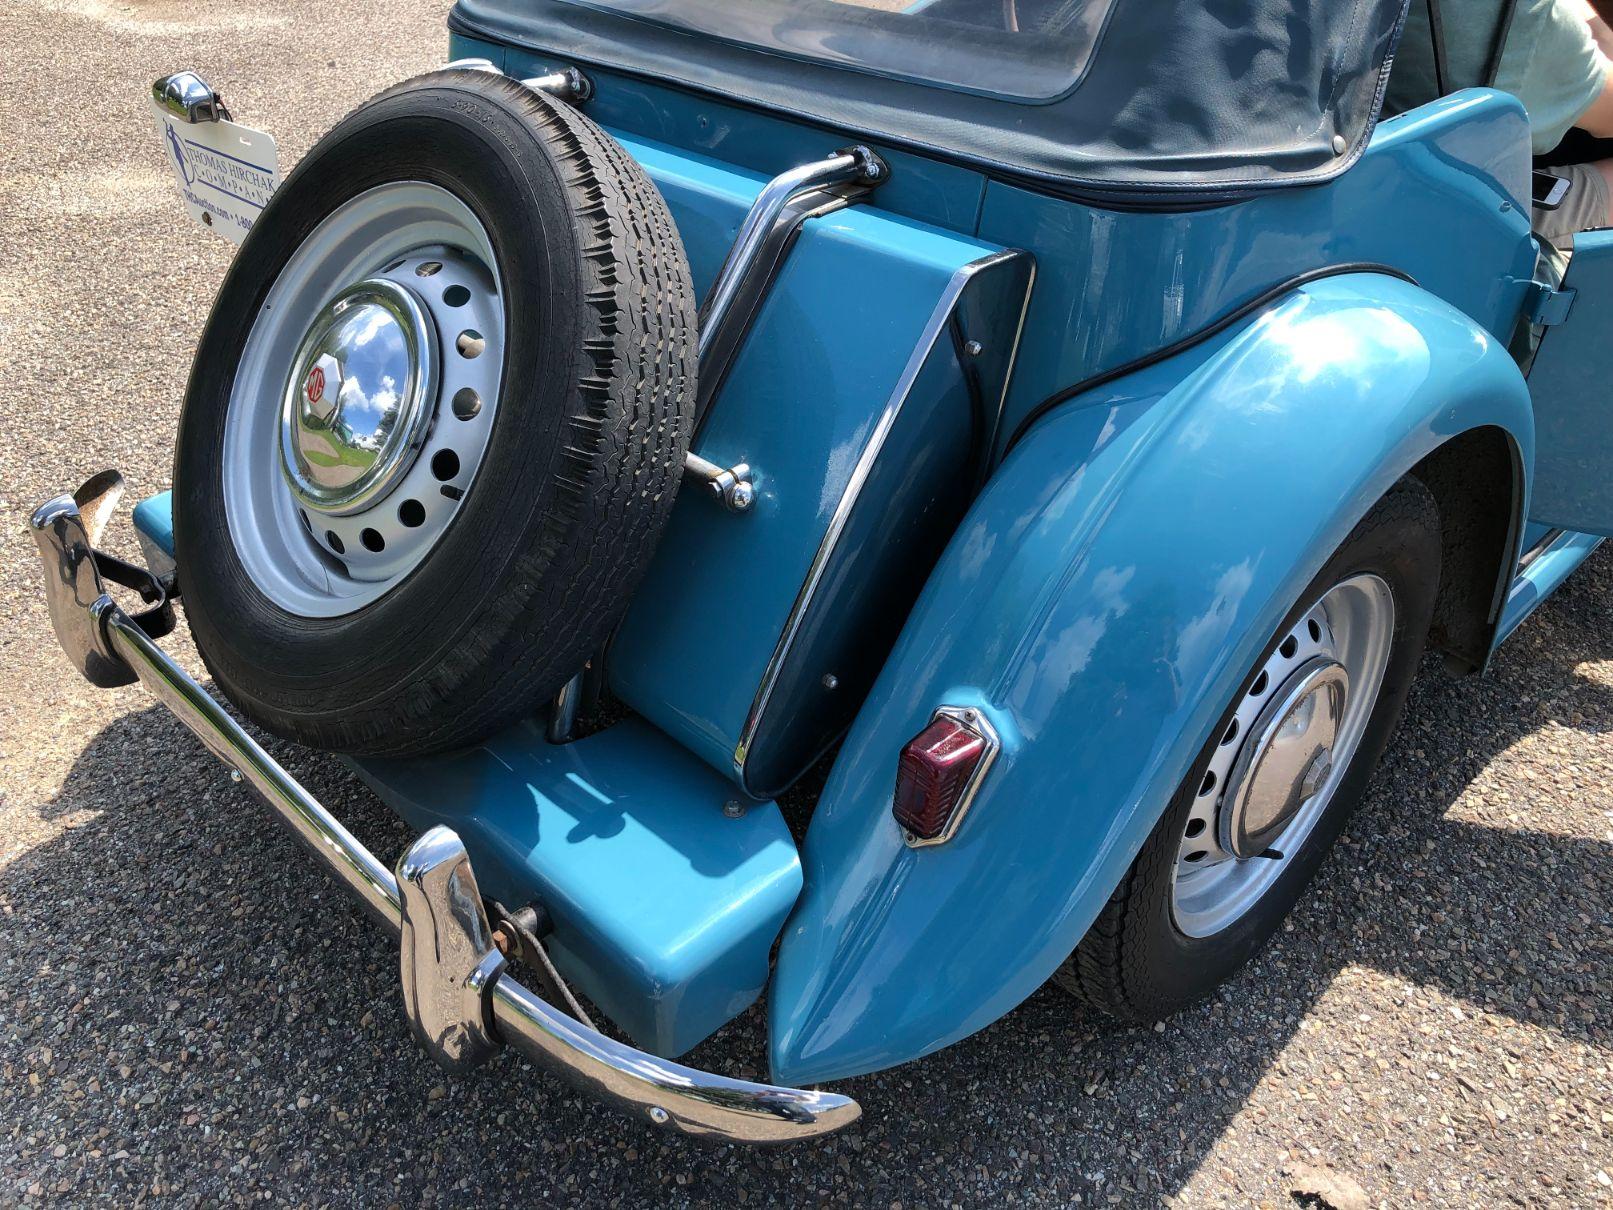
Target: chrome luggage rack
462 1002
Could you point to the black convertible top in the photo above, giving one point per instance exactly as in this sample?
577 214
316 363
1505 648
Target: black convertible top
1190 99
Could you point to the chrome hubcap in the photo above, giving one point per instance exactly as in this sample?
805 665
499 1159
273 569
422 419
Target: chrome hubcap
1287 758
357 407
1279 761
364 399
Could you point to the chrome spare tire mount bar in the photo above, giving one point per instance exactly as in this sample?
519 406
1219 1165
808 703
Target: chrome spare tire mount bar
461 1001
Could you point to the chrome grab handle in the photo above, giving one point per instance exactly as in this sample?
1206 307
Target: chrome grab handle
859 164
732 486
98 636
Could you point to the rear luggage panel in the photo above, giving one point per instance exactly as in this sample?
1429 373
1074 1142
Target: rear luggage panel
871 378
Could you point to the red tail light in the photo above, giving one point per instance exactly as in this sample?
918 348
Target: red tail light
938 772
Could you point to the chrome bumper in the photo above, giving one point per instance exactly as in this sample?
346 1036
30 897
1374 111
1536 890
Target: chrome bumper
461 1002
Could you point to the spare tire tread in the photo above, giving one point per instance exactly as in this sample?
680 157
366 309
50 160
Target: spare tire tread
624 215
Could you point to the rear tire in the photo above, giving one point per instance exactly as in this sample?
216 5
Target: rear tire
1137 962
531 565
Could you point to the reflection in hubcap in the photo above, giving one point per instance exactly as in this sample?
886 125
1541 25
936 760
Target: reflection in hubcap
1286 758
357 405
331 502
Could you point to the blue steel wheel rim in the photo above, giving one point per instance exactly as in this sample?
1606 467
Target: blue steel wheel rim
424 244
1344 638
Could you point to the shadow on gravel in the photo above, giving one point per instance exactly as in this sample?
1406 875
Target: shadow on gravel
192 993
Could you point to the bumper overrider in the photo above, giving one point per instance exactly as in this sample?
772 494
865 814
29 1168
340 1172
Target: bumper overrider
462 1002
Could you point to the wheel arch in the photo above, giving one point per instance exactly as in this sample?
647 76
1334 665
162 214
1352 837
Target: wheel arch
1099 603
1478 481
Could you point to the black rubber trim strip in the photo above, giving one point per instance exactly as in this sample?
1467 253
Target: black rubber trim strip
1436 36
1214 328
1503 30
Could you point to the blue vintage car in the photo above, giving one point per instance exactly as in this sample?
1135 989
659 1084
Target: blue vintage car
1085 415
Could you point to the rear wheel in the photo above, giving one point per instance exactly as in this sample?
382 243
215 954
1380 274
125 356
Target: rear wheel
1278 777
437 420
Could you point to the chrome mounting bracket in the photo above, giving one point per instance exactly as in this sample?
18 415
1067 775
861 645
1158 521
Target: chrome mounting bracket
732 487
186 95
775 206
567 84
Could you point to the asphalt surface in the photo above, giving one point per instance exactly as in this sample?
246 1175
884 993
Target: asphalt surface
190 1014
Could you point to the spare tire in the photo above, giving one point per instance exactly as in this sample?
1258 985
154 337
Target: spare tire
436 420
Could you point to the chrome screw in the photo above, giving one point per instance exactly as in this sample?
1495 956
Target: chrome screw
235 776
734 809
831 681
974 348
659 1116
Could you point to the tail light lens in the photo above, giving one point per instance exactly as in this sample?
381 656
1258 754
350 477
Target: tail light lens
938 772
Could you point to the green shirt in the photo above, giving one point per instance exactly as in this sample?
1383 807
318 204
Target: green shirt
1550 61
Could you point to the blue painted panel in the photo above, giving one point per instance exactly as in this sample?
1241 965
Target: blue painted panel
920 188
800 403
1101 602
665 909
1544 576
1568 380
462 47
708 199
154 517
1440 193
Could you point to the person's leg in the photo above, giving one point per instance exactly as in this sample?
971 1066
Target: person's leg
1604 169
1584 208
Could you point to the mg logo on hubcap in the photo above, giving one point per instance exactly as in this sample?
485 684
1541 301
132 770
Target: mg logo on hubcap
314 387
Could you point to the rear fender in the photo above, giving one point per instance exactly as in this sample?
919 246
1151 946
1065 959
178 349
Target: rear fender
1100 603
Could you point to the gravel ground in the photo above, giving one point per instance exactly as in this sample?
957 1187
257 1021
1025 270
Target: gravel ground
177 1024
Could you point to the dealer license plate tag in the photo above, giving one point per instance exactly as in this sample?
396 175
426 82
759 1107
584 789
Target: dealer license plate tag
226 172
